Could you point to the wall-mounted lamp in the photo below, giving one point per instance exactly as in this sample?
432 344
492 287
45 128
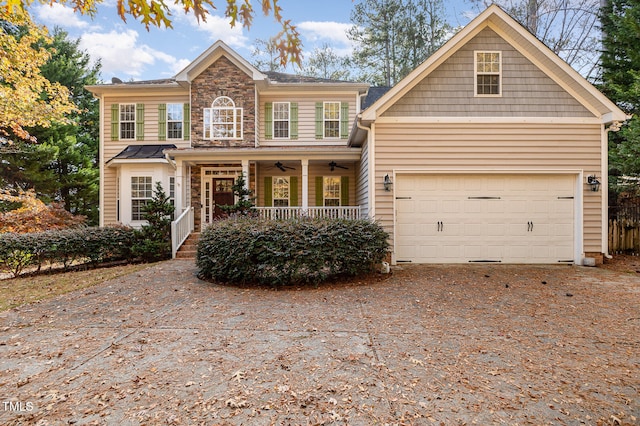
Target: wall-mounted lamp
593 182
387 182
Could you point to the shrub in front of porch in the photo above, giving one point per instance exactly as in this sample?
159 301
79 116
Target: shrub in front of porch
285 252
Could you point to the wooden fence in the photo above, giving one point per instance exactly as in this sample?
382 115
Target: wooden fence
624 226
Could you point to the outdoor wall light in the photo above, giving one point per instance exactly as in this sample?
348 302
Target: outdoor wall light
593 182
387 182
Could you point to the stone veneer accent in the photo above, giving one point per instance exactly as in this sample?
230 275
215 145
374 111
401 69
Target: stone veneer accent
223 78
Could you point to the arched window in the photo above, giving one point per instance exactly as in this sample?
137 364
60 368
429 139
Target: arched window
223 120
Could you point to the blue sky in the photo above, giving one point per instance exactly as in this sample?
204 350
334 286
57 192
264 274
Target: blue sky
130 52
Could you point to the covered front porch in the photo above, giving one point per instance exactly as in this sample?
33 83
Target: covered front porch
286 183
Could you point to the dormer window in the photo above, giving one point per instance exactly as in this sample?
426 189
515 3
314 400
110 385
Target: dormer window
223 120
488 71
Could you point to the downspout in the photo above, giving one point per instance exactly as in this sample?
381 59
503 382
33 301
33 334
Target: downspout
170 161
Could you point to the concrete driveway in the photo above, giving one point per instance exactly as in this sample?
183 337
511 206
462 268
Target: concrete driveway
443 345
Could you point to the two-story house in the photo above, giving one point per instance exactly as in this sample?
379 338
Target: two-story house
488 151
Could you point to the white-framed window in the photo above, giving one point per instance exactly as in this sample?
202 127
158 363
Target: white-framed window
174 121
488 71
223 120
331 119
281 120
127 121
280 191
331 191
172 190
141 194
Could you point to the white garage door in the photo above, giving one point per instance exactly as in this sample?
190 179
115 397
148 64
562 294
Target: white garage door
484 218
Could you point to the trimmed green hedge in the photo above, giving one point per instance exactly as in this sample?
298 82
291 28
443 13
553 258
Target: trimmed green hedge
277 252
86 245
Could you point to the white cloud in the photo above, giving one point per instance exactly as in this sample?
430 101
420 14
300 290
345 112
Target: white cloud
60 15
218 28
332 33
122 56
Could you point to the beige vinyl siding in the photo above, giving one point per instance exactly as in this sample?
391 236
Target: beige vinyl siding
491 147
362 184
315 169
449 89
306 117
110 196
113 148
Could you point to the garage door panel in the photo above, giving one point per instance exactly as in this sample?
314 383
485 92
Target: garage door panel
507 218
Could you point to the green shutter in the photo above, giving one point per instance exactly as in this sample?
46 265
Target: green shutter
344 190
344 120
162 122
268 191
140 122
268 120
115 127
293 191
294 120
319 191
186 120
319 126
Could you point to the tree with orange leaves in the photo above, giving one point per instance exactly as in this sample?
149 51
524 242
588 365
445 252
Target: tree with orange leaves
29 214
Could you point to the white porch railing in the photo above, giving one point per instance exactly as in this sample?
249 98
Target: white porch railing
180 230
280 213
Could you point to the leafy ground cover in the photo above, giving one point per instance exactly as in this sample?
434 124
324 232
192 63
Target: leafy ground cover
29 289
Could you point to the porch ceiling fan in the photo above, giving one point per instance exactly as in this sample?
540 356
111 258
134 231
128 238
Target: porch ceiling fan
333 165
283 167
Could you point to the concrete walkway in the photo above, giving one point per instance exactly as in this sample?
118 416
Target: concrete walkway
471 344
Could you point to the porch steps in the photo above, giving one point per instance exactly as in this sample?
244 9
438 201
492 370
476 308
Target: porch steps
188 249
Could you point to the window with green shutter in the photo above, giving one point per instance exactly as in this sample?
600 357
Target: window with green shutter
162 122
268 191
344 120
187 122
319 121
268 120
344 191
140 122
293 191
294 120
115 127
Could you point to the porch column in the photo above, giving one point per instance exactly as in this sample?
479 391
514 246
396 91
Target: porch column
305 183
178 192
245 172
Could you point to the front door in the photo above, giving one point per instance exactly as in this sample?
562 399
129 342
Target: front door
222 195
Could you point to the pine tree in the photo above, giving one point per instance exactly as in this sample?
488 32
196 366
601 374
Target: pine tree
620 63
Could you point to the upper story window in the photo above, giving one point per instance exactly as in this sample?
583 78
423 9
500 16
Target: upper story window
281 116
331 119
488 71
223 120
174 121
127 121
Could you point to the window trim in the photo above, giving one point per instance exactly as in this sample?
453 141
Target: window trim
179 107
325 120
207 118
476 74
274 182
324 191
274 120
136 216
133 121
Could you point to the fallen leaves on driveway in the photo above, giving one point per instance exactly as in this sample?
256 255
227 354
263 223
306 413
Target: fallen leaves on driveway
427 345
